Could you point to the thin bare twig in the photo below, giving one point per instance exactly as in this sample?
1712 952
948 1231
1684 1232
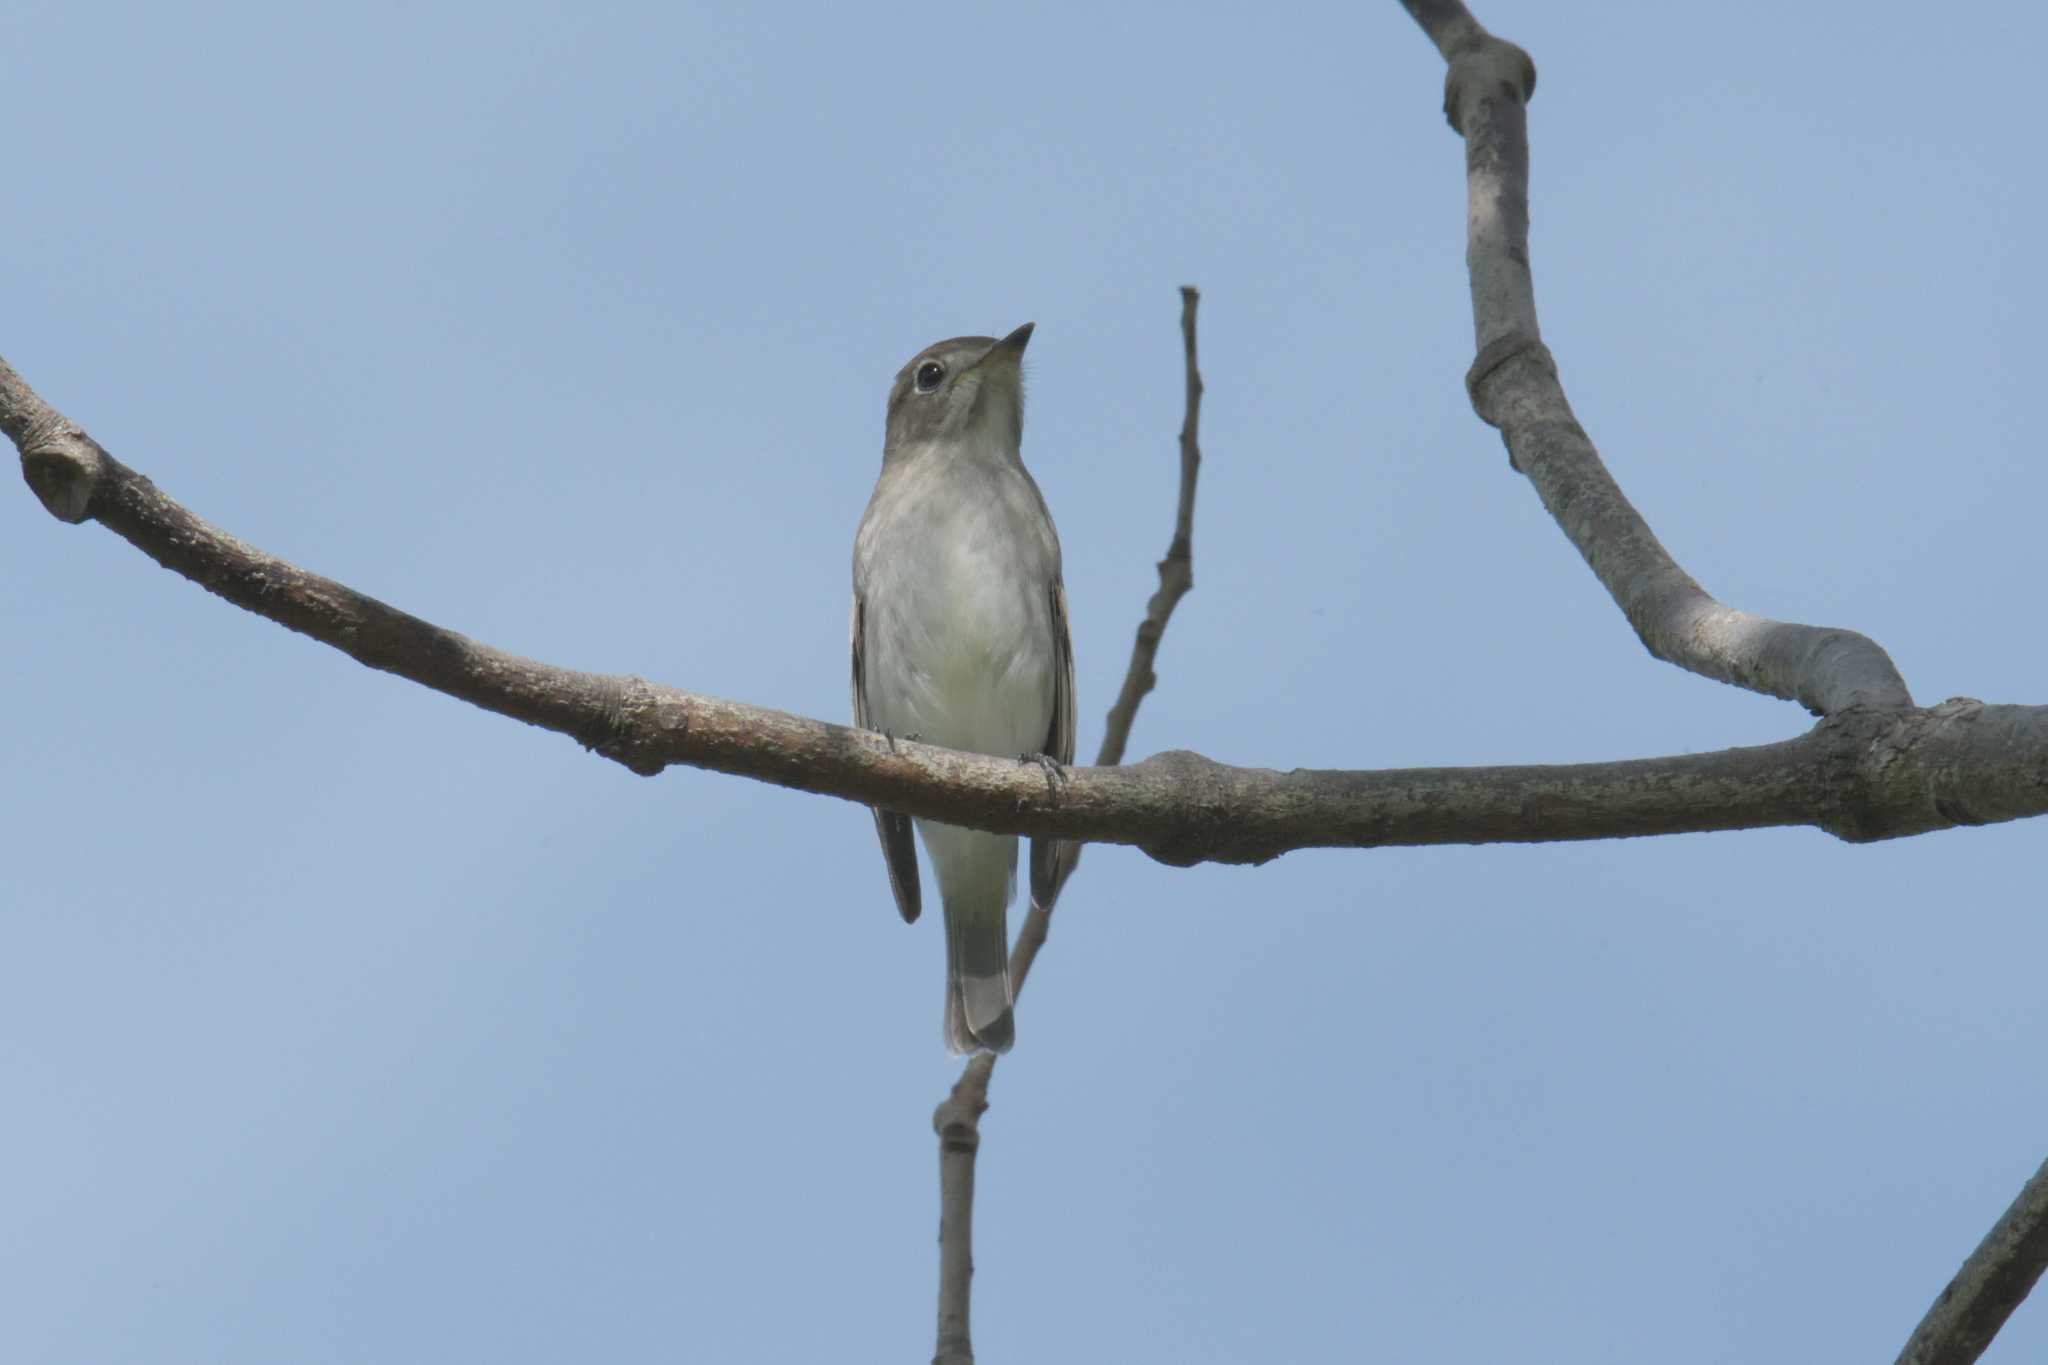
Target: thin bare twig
1177 570
958 1118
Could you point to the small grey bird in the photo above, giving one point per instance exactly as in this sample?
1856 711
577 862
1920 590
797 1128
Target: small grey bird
960 639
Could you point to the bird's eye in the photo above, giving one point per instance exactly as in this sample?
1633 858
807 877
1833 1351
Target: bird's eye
928 376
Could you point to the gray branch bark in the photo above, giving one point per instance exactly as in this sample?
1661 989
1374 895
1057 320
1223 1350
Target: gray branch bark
1876 766
1995 1279
1514 387
1862 773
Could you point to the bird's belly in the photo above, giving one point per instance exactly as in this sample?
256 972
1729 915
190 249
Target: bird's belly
965 660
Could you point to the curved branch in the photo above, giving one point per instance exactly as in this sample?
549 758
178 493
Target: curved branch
1864 774
1514 386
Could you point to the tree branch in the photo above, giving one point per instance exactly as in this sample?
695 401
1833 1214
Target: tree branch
1514 386
1993 1281
958 1118
1876 767
1177 570
1863 774
957 1121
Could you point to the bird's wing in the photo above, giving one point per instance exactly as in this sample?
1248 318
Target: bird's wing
1049 857
899 850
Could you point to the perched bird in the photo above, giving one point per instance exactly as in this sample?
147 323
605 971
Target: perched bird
960 639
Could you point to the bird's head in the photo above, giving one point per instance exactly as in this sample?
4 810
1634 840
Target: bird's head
965 389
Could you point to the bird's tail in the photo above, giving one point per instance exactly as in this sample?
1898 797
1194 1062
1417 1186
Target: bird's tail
978 980
977 872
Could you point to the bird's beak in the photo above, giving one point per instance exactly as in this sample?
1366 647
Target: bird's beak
1009 350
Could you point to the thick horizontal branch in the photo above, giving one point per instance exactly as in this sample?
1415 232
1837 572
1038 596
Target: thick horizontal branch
1864 774
1514 386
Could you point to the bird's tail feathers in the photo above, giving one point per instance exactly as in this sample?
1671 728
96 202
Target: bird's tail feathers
978 978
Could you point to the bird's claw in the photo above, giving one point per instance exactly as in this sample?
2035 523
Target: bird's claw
1055 772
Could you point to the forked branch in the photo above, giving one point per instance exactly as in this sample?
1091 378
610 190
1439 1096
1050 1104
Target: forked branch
1837 673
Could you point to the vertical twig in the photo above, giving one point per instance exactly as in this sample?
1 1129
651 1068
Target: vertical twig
1177 570
958 1119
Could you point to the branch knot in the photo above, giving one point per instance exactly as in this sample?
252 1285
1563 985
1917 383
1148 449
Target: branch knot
1492 358
1485 67
63 467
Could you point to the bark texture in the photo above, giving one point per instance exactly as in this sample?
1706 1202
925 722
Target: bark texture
1864 773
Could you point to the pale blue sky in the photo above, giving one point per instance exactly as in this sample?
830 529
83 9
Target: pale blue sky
342 1022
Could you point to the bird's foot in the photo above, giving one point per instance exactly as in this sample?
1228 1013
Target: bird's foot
1055 772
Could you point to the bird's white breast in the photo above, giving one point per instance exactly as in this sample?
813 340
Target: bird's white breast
955 566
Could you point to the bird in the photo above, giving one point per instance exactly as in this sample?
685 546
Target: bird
960 639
